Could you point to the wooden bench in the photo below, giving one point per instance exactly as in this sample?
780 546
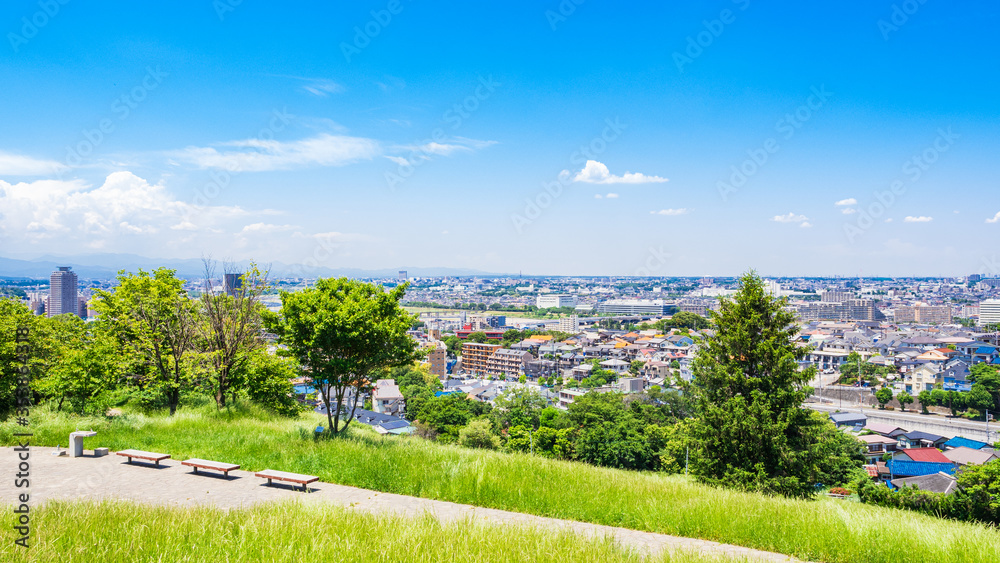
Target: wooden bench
303 480
145 456
196 463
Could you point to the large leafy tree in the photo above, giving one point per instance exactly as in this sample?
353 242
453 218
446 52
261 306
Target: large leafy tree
230 327
81 360
752 429
344 333
152 319
16 316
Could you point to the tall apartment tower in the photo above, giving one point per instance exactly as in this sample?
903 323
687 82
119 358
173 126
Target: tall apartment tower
232 283
63 296
403 275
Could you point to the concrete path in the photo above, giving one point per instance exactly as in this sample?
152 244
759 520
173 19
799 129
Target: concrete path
172 484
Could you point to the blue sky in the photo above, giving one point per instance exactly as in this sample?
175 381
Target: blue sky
720 136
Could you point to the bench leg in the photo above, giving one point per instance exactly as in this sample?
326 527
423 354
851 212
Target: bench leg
195 469
268 482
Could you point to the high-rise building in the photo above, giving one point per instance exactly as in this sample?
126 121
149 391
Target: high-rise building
63 293
989 312
403 276
231 283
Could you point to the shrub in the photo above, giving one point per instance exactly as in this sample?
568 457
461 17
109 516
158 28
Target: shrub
478 434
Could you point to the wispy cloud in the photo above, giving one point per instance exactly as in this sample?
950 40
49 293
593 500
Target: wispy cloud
995 219
920 219
790 218
848 210
425 150
19 165
321 87
597 173
671 212
257 155
848 201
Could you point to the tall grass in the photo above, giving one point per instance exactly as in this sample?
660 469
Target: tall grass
289 532
822 530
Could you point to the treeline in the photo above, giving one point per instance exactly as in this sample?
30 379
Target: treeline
152 346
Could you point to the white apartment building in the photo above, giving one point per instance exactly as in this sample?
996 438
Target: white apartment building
570 324
989 312
555 300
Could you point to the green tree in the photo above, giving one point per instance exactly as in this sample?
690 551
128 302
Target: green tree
267 382
230 328
479 434
636 366
15 317
924 397
989 377
520 406
904 399
752 431
84 364
883 395
979 398
344 333
153 322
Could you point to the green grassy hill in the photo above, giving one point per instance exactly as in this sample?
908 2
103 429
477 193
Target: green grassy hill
819 530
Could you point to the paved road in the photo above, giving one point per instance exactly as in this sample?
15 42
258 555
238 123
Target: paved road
172 484
903 418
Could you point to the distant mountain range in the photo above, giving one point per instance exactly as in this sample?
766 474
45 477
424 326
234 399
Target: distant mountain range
107 266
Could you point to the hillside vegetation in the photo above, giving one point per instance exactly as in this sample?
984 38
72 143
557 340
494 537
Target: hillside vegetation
817 530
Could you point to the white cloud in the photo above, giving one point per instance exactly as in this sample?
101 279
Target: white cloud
790 218
612 196
848 210
995 219
598 196
889 220
256 155
671 212
424 151
806 225
848 201
920 219
596 173
265 228
19 165
57 215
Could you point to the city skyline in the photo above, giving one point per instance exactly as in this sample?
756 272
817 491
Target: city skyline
705 139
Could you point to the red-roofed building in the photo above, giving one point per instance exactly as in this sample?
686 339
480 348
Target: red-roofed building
932 455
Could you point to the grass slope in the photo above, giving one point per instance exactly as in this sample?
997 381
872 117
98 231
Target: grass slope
823 530
290 532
